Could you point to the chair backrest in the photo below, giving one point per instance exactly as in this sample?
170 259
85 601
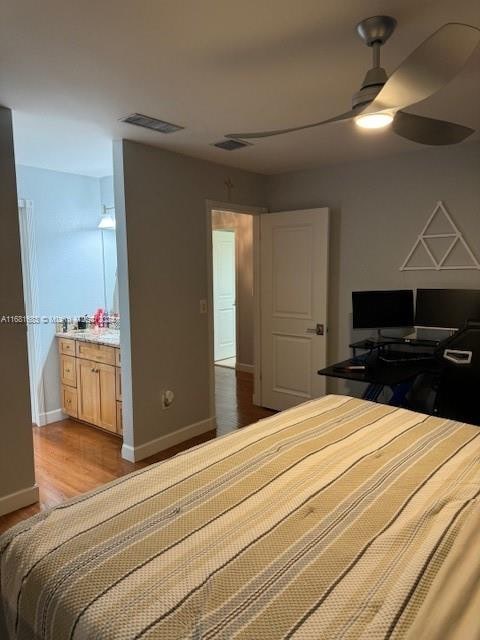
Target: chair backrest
459 383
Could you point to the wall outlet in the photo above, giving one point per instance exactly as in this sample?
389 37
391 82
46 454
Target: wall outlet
203 306
167 399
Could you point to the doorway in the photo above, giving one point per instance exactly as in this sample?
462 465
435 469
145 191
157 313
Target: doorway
69 273
232 242
289 296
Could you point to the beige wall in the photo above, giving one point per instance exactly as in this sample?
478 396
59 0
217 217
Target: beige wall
16 447
163 265
378 209
242 224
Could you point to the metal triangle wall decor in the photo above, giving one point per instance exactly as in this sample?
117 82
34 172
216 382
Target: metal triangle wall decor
440 246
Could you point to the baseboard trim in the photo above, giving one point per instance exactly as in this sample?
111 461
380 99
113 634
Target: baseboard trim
19 499
134 454
50 416
246 368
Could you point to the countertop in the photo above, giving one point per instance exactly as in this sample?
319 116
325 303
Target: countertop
110 337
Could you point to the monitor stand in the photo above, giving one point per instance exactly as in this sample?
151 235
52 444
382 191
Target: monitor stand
381 337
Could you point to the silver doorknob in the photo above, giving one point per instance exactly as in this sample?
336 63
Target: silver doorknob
319 330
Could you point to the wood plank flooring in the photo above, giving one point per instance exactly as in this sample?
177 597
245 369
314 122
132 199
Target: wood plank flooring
233 400
72 458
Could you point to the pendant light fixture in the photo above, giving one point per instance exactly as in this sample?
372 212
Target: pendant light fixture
107 221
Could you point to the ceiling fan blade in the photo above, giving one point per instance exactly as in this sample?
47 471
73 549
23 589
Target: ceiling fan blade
429 68
428 130
277 132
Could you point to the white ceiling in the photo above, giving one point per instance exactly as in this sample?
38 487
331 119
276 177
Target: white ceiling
62 144
70 70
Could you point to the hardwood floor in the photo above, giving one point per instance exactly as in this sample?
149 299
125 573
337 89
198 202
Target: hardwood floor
233 400
72 458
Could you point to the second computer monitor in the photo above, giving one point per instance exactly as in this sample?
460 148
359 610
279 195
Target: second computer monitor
446 308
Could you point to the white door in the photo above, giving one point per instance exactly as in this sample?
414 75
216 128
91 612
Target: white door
223 249
293 285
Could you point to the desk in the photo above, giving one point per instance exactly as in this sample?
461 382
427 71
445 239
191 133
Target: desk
387 375
386 343
396 375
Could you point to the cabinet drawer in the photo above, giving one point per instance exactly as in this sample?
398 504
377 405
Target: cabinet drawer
118 383
119 418
96 352
69 401
68 372
117 357
66 346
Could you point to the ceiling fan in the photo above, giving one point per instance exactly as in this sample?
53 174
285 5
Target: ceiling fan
381 100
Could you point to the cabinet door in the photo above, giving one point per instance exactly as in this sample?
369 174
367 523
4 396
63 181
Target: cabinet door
107 408
119 418
118 384
88 391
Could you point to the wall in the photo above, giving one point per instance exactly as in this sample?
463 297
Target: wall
378 209
242 224
16 451
163 265
66 211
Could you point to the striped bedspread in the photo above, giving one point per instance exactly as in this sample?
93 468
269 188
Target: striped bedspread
339 518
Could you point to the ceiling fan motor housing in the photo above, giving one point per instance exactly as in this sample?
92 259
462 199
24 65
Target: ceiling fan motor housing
371 86
374 31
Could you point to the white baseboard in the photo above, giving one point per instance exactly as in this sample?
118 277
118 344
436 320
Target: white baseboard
134 454
247 368
50 416
19 499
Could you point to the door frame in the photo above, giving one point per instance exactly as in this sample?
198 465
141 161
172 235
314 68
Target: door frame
255 212
31 299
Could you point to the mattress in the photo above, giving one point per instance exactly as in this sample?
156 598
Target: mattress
339 518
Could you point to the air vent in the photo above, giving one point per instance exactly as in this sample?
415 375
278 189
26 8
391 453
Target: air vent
151 123
231 145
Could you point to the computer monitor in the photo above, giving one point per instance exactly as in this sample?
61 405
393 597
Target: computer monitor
382 309
446 308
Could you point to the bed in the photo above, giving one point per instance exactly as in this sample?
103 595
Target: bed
339 518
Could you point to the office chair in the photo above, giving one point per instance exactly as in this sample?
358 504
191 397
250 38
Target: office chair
453 391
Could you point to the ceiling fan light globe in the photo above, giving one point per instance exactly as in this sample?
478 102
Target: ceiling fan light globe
374 120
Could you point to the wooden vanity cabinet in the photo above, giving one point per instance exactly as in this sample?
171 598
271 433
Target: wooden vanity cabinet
91 383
